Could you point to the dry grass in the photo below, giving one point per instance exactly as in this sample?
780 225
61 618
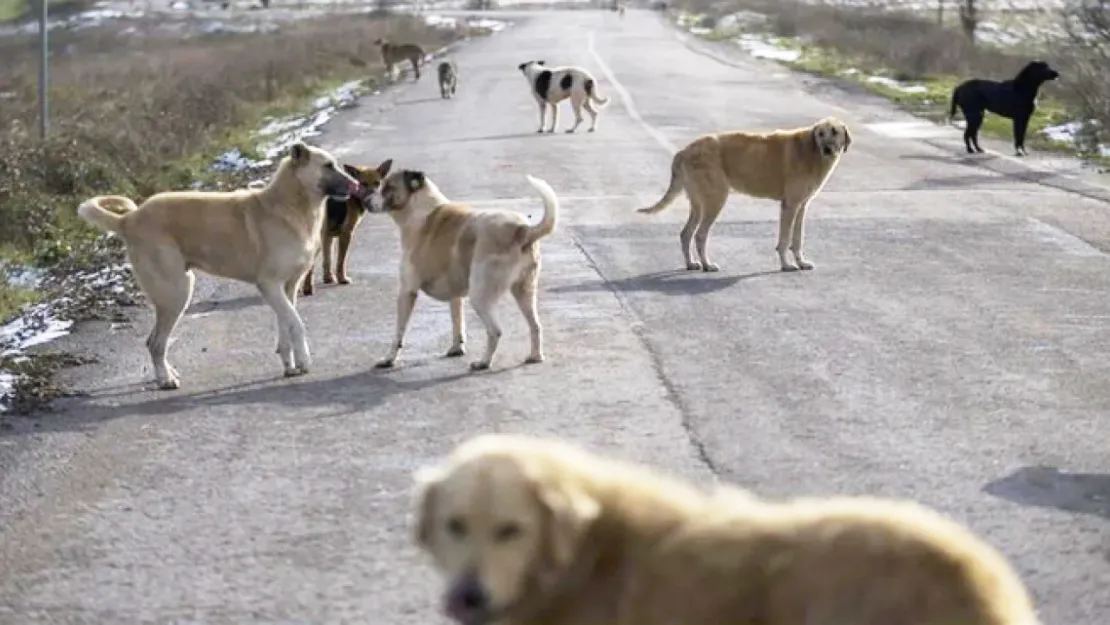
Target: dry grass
135 116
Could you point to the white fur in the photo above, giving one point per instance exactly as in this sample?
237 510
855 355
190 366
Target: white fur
579 99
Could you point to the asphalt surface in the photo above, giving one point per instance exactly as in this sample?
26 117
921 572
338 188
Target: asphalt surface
949 347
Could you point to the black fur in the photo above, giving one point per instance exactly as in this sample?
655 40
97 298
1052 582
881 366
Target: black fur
1013 99
543 84
337 210
414 180
566 82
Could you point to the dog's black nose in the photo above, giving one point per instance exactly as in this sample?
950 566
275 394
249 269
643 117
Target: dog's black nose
467 599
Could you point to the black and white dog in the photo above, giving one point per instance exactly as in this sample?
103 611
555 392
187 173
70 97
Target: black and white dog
555 84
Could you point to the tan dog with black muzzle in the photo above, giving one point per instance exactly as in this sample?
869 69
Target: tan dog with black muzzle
788 166
530 531
452 251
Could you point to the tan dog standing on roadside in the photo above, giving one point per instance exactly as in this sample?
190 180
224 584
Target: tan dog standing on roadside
264 236
451 251
396 53
789 166
527 530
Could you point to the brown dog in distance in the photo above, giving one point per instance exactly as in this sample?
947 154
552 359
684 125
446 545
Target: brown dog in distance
342 217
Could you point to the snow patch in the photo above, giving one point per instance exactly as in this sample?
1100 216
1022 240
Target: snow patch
767 48
897 84
1073 133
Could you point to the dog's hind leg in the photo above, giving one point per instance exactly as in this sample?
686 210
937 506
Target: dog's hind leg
686 237
344 249
797 237
458 328
484 293
172 289
415 68
524 292
589 106
406 301
712 195
971 131
576 101
277 296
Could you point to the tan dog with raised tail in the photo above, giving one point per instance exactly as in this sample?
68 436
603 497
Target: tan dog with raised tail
451 251
264 236
532 531
789 166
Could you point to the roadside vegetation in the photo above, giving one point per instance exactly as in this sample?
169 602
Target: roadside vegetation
134 115
915 59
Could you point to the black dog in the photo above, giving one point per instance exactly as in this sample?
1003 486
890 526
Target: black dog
1012 99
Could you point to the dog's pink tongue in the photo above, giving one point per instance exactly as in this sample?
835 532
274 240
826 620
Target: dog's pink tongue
353 188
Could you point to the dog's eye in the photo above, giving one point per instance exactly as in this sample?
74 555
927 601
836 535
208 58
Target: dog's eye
507 532
833 131
329 165
456 527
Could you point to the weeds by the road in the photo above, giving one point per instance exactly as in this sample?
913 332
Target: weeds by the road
133 116
860 45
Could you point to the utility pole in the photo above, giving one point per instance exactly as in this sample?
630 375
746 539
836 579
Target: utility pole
44 62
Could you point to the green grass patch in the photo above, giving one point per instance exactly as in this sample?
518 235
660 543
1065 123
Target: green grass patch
12 10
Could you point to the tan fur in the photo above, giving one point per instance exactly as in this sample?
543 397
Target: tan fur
395 53
266 237
530 531
788 166
451 251
369 179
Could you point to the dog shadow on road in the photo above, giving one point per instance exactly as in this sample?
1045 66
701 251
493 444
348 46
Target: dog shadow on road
358 392
515 135
1049 487
673 282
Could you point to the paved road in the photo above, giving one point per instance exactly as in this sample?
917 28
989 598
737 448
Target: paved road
948 347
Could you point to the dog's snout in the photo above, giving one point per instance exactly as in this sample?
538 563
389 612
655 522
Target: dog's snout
468 600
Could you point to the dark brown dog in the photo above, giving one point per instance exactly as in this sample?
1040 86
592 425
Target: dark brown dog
343 216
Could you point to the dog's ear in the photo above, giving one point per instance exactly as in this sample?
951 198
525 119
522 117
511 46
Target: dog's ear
522 66
568 515
383 169
414 180
539 63
813 139
427 481
298 152
352 171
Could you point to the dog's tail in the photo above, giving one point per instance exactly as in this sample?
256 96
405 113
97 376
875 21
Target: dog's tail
95 211
591 91
673 189
550 211
952 106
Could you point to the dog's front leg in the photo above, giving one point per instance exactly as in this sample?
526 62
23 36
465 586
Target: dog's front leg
798 237
554 117
406 301
344 249
1021 124
787 214
543 114
458 328
288 318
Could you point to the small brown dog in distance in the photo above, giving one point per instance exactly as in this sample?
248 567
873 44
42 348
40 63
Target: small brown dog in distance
788 166
532 530
342 217
395 53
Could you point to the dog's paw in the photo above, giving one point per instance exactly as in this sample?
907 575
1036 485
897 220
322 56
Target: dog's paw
693 266
455 351
591 129
711 267
534 359
385 363
293 372
569 131
306 291
540 131
789 267
343 280
171 383
479 365
329 278
805 265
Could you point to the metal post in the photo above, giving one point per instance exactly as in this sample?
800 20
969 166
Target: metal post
44 61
